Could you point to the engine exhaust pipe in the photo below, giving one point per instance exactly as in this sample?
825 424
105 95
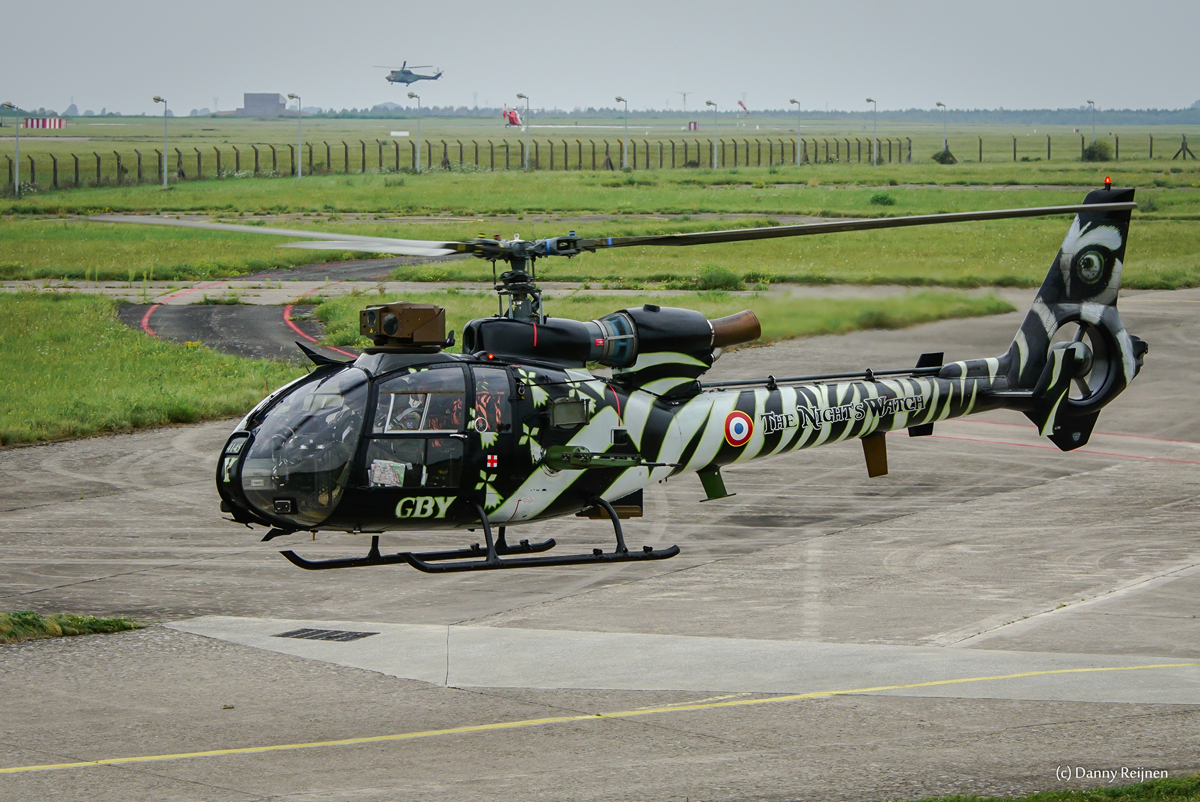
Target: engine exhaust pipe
740 327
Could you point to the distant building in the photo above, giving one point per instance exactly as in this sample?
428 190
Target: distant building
269 104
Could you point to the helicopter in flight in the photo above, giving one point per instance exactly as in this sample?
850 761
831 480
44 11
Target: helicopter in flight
406 76
518 428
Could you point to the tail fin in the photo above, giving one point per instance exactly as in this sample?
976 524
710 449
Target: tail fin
1073 377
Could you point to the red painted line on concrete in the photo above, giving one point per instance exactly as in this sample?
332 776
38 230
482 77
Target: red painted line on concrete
1055 448
287 318
175 295
146 320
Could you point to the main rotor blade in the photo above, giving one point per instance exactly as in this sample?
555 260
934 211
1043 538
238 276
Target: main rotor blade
340 241
368 247
802 229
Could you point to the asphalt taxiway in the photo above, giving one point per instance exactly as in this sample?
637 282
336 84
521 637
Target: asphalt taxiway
991 613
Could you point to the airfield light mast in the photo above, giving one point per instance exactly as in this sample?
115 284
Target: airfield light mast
945 146
625 147
163 101
417 97
875 133
797 102
521 96
714 105
17 174
299 132
685 94
1092 103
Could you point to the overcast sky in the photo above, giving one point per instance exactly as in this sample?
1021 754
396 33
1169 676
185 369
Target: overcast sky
117 54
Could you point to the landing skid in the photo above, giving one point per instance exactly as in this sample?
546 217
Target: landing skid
496 555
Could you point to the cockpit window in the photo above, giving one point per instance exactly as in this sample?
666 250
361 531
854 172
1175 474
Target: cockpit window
424 401
303 448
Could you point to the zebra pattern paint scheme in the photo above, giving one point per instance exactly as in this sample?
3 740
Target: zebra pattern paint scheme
666 418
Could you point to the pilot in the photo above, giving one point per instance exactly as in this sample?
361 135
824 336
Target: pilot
408 418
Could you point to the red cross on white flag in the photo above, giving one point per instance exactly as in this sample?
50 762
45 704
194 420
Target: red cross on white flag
493 461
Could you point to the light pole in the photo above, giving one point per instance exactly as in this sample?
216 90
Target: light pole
874 134
625 147
17 174
524 97
414 95
163 101
714 105
945 147
1092 103
299 133
797 102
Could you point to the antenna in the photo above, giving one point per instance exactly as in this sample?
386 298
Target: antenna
685 94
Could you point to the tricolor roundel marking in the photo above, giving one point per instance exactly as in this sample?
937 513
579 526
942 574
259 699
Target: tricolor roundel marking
738 428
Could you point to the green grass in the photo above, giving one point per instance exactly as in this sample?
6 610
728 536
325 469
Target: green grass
1174 789
69 368
781 317
27 625
1162 253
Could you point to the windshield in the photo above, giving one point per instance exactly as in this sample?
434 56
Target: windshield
301 458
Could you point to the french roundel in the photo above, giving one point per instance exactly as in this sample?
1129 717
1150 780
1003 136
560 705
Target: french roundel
738 428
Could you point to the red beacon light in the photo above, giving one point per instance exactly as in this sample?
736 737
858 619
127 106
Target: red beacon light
1107 182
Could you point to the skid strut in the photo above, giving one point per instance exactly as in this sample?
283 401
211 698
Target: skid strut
494 555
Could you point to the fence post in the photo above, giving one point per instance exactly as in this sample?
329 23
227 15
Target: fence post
460 153
1082 147
593 153
363 163
256 155
1117 140
328 159
237 159
292 159
345 158
579 154
274 160
10 168
551 141
1047 147
661 154
199 165
310 158
492 152
1151 146
1014 148
506 153
54 162
476 144
890 150
379 145
119 177
94 153
909 149
216 149
981 150
76 158
179 171
396 145
139 163
445 156
428 154
537 155
412 154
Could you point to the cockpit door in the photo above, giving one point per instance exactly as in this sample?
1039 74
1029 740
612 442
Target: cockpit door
491 423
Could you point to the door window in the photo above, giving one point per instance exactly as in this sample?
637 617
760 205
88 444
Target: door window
492 400
425 401
414 462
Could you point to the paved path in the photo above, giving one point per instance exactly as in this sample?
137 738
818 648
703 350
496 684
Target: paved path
821 635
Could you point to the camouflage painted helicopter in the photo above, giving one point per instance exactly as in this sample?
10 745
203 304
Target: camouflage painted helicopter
517 429
406 76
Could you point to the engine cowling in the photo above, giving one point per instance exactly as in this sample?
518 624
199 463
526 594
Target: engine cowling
615 340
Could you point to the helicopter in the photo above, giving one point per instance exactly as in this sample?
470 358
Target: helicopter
406 76
512 117
519 427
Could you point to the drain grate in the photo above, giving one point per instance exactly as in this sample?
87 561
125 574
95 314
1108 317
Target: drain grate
325 634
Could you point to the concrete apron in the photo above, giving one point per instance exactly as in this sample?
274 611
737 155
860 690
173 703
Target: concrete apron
502 657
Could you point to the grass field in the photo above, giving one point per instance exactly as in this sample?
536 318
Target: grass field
27 625
356 145
1174 789
68 368
781 318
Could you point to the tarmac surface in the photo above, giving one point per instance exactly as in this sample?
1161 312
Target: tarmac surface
993 617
